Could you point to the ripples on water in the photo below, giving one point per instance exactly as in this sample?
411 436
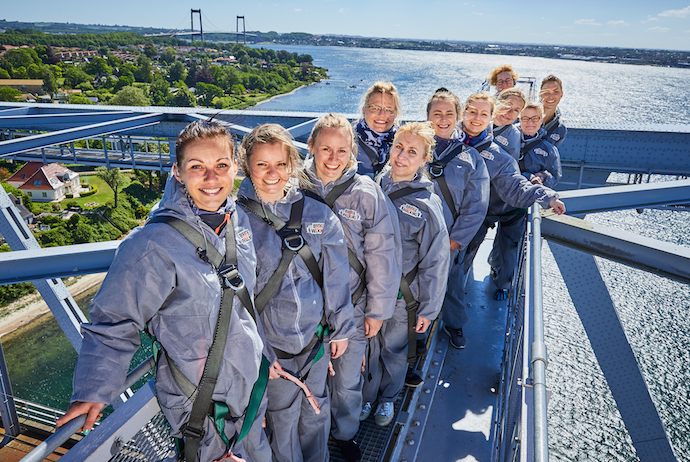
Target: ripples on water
601 92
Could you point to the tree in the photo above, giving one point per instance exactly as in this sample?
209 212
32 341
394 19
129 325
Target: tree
50 85
158 91
177 72
205 93
182 98
130 96
79 99
74 76
113 178
9 94
143 71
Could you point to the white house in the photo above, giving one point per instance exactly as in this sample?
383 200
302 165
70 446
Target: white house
46 183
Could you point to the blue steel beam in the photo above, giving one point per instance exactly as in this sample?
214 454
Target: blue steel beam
608 198
73 134
663 258
58 121
56 262
14 111
614 355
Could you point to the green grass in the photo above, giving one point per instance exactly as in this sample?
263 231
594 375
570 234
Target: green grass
103 195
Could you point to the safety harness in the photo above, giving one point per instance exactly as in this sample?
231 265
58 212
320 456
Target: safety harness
437 173
203 405
411 304
355 264
293 243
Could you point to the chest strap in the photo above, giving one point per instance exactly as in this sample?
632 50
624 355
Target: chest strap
437 173
524 150
232 284
352 259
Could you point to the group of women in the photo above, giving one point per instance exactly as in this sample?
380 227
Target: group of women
281 317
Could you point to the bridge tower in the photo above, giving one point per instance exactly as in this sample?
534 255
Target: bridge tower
237 28
201 27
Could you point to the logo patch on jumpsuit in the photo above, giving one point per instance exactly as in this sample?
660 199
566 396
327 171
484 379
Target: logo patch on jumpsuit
555 136
244 235
541 152
315 228
501 139
350 214
487 155
411 210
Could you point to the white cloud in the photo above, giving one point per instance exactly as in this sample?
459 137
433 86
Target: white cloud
658 29
297 10
616 22
587 22
679 13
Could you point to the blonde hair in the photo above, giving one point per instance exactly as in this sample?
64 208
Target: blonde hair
531 105
443 94
271 134
386 88
202 130
480 96
338 121
423 130
502 98
493 75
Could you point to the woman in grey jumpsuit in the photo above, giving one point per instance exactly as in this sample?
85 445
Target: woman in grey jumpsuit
369 227
425 261
300 304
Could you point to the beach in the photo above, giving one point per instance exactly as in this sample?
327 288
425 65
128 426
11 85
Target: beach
31 307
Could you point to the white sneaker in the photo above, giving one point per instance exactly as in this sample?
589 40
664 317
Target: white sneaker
366 410
384 414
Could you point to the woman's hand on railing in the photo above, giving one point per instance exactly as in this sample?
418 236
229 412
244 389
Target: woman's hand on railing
557 206
92 411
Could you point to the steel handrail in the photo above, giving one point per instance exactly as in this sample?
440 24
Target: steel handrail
538 347
65 432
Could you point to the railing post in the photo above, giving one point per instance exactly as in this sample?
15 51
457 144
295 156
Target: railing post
538 347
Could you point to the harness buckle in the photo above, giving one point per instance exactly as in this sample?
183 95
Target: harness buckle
196 433
435 170
292 239
231 278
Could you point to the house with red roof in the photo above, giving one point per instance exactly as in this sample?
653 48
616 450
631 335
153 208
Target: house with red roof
46 183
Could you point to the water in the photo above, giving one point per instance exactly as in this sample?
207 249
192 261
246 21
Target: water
595 93
655 312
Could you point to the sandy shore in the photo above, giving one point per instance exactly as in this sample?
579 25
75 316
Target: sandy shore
28 308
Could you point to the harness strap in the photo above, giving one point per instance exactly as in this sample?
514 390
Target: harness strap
524 150
437 173
402 192
355 264
372 155
411 306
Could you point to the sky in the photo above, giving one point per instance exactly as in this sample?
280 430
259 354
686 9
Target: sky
661 24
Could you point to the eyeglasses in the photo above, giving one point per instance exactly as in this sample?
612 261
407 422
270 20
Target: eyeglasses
375 109
530 119
505 82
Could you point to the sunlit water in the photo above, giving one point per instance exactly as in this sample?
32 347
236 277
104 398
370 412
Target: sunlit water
655 312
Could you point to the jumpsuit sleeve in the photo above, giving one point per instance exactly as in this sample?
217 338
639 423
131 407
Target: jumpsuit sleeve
336 280
514 189
138 283
553 167
475 202
382 258
434 253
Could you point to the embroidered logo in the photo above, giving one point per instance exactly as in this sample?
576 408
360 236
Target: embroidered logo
541 152
350 214
555 136
315 228
464 155
501 139
411 210
244 235
487 155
